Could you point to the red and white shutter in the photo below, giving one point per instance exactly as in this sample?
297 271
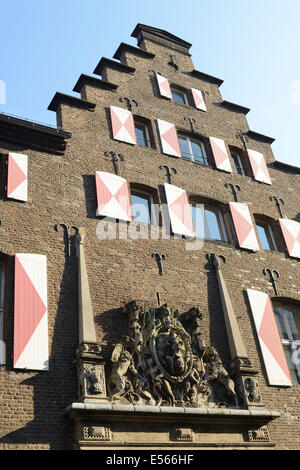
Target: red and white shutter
243 226
17 176
259 167
220 154
112 196
179 211
198 99
30 313
269 339
122 125
163 86
291 234
168 138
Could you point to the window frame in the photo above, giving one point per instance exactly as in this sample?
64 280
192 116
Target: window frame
220 218
283 307
181 92
240 163
154 218
146 131
142 122
269 235
199 142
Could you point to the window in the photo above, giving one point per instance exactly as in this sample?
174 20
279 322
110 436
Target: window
208 222
141 204
288 323
266 236
238 163
142 134
179 96
192 149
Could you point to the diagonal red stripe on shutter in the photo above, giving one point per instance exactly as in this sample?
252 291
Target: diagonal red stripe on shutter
129 126
269 334
104 195
181 209
15 176
165 86
115 122
242 226
219 154
29 310
122 196
170 136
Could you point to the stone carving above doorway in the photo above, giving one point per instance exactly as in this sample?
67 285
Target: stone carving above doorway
164 362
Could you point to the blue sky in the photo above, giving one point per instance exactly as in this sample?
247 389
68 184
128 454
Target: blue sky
253 45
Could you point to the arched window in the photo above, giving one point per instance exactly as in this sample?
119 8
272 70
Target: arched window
287 316
267 233
144 204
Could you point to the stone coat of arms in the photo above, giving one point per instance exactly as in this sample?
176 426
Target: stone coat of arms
164 361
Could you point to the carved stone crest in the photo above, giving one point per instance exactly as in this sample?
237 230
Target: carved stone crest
164 361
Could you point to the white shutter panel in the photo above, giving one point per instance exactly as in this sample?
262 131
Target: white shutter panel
112 196
163 86
243 226
198 99
179 211
291 234
168 138
122 125
220 154
259 167
30 312
17 176
269 339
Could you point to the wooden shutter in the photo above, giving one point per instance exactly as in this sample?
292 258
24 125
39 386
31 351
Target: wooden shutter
168 138
291 234
259 167
198 99
122 125
163 86
269 339
179 211
220 154
112 196
243 226
30 313
17 176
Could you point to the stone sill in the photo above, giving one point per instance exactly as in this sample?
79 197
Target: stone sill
219 414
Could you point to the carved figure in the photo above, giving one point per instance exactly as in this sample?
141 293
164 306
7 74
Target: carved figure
217 371
122 364
94 381
252 390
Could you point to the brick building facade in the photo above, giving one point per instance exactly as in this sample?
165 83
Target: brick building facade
154 131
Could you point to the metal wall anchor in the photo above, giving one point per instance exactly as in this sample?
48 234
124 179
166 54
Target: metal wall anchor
129 102
115 157
272 279
243 138
278 202
233 187
68 241
159 258
172 61
168 172
191 122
